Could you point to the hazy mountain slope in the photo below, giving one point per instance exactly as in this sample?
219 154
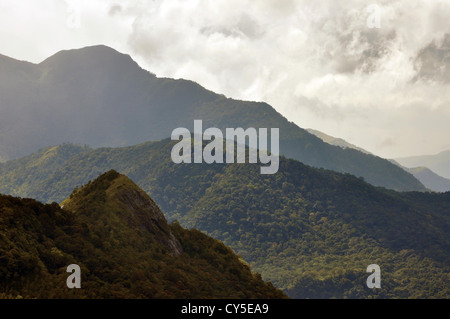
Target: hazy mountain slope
99 97
427 177
430 179
94 96
21 176
123 244
439 163
336 141
311 232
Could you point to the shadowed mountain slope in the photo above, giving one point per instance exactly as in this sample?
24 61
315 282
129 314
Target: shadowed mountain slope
100 97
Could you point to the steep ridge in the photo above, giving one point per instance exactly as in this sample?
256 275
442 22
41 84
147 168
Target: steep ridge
123 245
125 203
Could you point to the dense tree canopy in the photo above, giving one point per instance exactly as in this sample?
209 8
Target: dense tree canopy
118 257
312 232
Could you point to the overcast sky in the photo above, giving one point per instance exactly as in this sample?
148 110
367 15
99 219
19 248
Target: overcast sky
376 73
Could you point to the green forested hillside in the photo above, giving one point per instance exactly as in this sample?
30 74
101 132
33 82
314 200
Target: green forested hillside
100 97
20 176
123 244
311 232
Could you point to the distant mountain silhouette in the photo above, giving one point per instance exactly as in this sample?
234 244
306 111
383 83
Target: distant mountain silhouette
430 179
100 97
336 141
427 177
439 163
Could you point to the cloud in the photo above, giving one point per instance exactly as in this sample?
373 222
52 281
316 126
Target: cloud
433 61
114 9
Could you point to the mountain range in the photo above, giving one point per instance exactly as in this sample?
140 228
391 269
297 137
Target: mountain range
426 176
311 229
100 97
430 179
311 232
123 245
439 163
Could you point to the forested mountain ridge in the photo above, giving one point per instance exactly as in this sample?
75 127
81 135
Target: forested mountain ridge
123 245
100 97
310 231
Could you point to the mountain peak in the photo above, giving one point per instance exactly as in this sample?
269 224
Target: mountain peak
118 201
91 60
123 246
98 96
95 51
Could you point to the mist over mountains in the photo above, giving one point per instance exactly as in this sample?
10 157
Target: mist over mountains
439 163
100 97
427 177
430 179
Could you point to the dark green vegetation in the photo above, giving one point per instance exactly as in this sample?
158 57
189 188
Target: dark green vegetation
123 244
311 232
100 97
